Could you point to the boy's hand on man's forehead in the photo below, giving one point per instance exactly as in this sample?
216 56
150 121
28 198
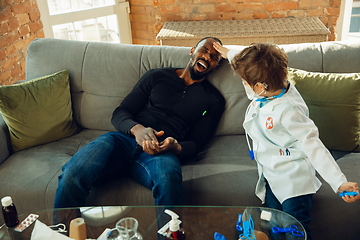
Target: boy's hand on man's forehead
221 49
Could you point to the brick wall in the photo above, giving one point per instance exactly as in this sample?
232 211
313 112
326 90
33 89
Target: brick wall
19 24
148 16
20 21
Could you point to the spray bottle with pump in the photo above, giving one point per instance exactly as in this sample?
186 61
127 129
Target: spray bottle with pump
174 232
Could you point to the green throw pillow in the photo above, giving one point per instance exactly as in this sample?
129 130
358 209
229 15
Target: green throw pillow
38 111
334 105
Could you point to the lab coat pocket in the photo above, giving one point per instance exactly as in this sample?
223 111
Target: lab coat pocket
280 164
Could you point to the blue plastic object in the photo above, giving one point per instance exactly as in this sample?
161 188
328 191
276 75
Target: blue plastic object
248 227
292 229
218 236
238 226
251 153
344 193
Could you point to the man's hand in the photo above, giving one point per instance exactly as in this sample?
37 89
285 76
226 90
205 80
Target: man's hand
350 187
147 138
168 145
143 135
221 49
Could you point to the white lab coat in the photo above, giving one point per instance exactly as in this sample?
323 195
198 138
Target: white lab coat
287 148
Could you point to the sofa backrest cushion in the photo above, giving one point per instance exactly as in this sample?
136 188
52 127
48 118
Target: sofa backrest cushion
340 57
110 71
102 74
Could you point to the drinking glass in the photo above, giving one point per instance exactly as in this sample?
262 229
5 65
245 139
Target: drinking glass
127 228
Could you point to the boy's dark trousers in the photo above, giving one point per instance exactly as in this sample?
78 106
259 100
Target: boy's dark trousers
298 207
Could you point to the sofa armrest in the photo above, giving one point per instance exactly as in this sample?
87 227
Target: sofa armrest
4 140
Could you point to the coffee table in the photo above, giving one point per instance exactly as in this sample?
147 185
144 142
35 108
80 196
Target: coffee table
199 222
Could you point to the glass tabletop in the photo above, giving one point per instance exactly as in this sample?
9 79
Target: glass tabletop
198 222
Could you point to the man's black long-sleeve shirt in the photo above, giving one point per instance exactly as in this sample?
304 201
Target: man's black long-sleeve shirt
162 101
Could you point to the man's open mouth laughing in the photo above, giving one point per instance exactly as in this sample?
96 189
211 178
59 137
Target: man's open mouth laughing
202 65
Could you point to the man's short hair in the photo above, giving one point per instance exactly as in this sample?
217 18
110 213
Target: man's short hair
215 38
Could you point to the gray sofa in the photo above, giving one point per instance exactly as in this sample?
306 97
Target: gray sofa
102 74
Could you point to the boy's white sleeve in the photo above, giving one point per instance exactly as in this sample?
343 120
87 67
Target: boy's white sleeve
231 54
298 124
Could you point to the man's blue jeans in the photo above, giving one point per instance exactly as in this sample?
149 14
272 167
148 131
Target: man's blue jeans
298 207
112 155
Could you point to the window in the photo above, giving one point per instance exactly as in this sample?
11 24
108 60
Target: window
354 29
348 27
86 20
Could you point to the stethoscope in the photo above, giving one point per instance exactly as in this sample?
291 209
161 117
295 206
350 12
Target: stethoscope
251 151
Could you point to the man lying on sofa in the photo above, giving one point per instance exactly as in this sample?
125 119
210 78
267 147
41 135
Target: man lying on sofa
168 117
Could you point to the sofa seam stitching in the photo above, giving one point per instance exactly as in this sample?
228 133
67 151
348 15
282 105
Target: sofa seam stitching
81 77
322 57
141 57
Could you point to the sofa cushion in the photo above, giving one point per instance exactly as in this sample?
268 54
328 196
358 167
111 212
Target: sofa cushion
334 106
38 111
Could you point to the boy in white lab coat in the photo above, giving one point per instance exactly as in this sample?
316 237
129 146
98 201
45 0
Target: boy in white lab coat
286 144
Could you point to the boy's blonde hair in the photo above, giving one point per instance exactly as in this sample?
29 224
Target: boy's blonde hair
262 63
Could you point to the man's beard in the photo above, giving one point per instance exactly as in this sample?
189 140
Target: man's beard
196 75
